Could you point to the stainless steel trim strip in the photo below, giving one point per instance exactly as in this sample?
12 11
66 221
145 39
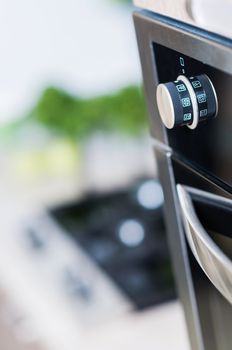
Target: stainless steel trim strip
161 147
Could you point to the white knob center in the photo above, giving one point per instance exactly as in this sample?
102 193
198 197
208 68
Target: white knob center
165 106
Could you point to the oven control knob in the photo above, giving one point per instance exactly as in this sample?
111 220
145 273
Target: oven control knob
186 101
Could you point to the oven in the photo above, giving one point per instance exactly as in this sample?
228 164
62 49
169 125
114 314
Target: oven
187 72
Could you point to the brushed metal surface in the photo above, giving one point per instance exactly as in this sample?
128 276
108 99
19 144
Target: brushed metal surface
212 15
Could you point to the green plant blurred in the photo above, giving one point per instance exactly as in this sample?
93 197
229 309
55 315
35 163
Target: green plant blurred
75 118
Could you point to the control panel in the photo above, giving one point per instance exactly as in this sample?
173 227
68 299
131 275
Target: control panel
188 96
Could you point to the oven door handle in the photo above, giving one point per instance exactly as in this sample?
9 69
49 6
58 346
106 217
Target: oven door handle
213 261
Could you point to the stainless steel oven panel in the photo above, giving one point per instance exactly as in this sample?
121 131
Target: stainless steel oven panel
204 333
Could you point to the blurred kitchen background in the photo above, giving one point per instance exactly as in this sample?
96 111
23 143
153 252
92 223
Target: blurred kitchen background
84 262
